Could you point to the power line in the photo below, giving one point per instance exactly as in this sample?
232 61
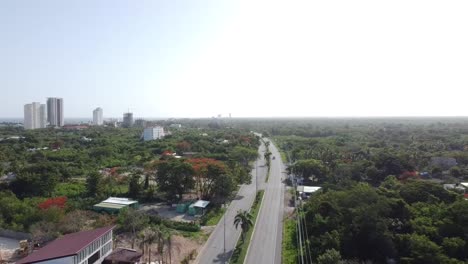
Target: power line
299 232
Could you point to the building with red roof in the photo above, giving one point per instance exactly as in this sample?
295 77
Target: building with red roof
86 247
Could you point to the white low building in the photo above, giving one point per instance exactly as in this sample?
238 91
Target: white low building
307 191
152 133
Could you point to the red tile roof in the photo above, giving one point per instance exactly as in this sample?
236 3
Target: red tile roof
68 245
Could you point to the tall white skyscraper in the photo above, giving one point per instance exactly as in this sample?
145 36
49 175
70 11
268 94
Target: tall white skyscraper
32 116
97 117
43 116
55 111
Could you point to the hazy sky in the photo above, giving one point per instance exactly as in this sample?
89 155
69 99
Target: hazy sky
249 58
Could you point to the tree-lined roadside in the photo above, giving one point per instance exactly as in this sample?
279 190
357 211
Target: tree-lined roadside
243 243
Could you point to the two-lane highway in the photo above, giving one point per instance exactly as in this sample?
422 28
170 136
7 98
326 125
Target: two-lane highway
265 246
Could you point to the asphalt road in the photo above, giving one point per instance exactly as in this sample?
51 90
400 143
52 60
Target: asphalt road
213 250
265 246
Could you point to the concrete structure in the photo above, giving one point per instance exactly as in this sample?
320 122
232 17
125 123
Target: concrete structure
198 208
127 120
43 116
152 133
55 111
34 116
306 191
115 204
140 123
97 117
31 115
86 247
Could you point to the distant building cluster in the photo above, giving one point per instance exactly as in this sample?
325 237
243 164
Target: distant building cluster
37 115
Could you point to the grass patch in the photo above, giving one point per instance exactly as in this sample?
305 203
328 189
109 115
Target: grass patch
241 248
198 236
213 216
289 253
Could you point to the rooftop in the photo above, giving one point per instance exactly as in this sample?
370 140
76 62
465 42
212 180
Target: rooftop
308 189
68 245
117 200
201 204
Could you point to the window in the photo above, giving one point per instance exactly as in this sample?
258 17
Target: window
95 257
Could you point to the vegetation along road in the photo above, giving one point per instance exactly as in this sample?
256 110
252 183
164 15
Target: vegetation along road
213 251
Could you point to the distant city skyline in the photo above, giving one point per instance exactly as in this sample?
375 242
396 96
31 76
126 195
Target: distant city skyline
199 59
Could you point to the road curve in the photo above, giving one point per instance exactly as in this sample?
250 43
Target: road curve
265 246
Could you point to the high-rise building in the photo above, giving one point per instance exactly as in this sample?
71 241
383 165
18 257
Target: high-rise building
43 116
127 120
152 133
97 117
140 123
55 111
29 116
34 116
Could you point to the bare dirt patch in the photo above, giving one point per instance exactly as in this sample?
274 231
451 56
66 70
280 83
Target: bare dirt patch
181 248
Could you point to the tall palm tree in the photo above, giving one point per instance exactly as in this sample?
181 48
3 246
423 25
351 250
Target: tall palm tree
159 240
244 220
168 237
151 235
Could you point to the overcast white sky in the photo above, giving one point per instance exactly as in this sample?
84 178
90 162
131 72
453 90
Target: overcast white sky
249 58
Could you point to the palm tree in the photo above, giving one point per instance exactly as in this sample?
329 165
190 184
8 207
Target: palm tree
151 235
168 237
244 219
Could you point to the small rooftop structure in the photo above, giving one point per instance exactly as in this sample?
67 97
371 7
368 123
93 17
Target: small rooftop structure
115 204
123 256
464 184
454 187
75 248
201 204
198 208
306 191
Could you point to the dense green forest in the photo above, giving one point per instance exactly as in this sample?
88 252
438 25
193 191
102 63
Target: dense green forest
82 167
382 199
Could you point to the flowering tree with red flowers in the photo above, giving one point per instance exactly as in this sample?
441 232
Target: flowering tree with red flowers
57 202
211 177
